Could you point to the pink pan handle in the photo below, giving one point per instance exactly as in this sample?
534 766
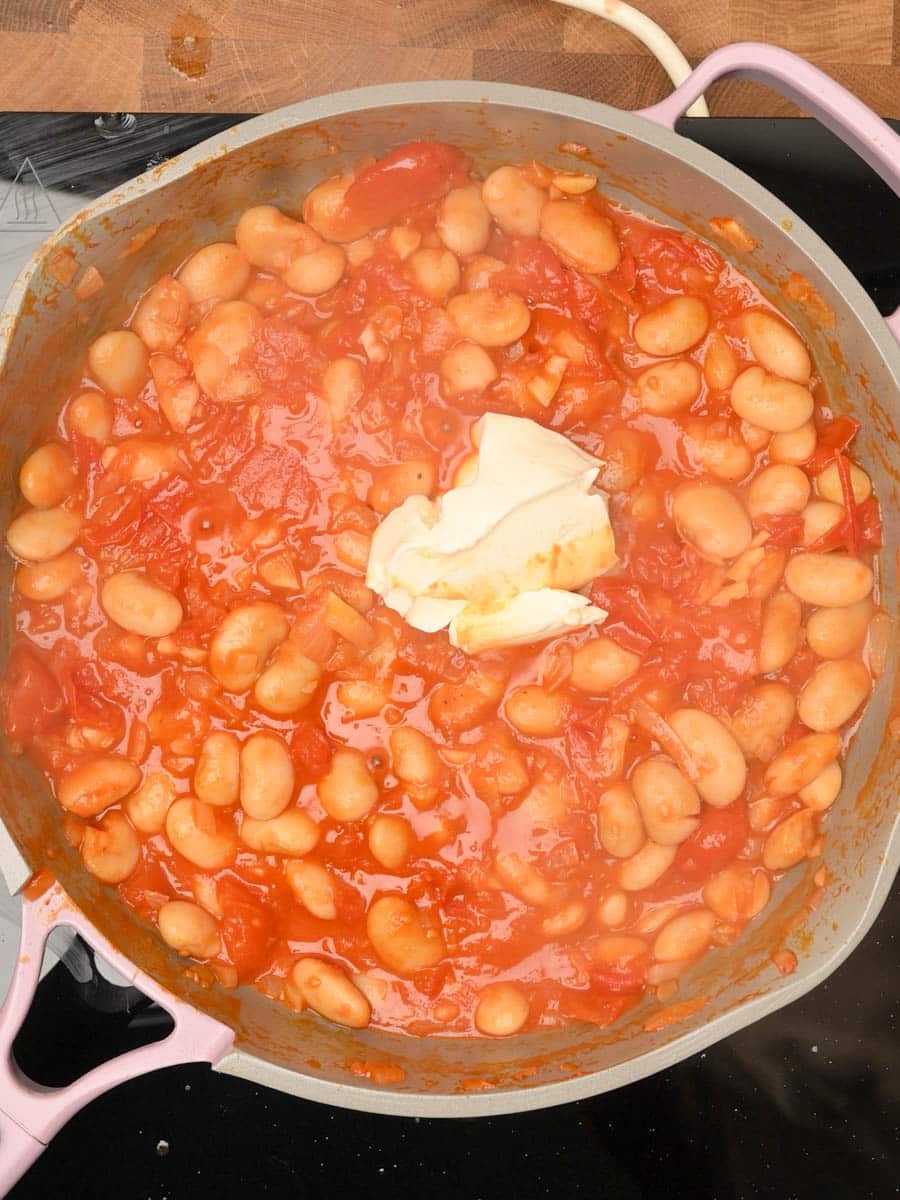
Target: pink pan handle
814 91
30 1114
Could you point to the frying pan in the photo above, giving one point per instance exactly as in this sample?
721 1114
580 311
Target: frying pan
196 198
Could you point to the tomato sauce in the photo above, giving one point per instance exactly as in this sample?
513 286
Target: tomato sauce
268 500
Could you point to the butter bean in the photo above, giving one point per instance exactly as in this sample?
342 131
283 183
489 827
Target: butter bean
776 346
721 771
672 327
140 605
266 776
405 937
828 580
833 693
502 1010
188 929
713 520
580 235
47 476
328 991
776 404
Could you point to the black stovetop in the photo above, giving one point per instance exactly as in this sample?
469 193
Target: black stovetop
805 1103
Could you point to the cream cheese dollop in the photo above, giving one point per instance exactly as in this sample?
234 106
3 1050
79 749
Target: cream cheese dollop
497 560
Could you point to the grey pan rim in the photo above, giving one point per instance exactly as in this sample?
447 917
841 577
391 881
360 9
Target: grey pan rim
608 120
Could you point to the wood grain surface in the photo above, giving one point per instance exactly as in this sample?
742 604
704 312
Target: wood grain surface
252 55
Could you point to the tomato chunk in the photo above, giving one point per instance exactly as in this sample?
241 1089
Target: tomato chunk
715 842
410 176
34 699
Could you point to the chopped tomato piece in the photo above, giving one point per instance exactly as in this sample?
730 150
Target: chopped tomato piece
715 842
833 437
34 699
410 176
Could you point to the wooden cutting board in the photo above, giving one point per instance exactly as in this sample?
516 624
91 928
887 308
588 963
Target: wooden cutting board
252 55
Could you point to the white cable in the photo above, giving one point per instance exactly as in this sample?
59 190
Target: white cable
657 41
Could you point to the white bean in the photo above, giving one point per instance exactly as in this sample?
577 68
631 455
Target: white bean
777 490
220 349
201 834
413 757
90 415
219 271
140 605
837 632
467 368
502 1010
779 637
111 850
118 361
668 387
43 533
646 867
313 887
289 682
324 210
347 792
762 718
828 580
390 841
726 457
619 819
580 235
241 645
822 791
266 776
713 520
669 803
463 222
147 807
435 272
49 580
684 936
672 327
720 365
217 774
612 911
405 937
738 892
790 841
828 484
270 240
819 518
833 693
293 833
188 929
513 201
599 664
775 404
96 784
328 991
488 318
795 447
535 712
799 763
776 346
47 476
717 758
162 315
315 273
